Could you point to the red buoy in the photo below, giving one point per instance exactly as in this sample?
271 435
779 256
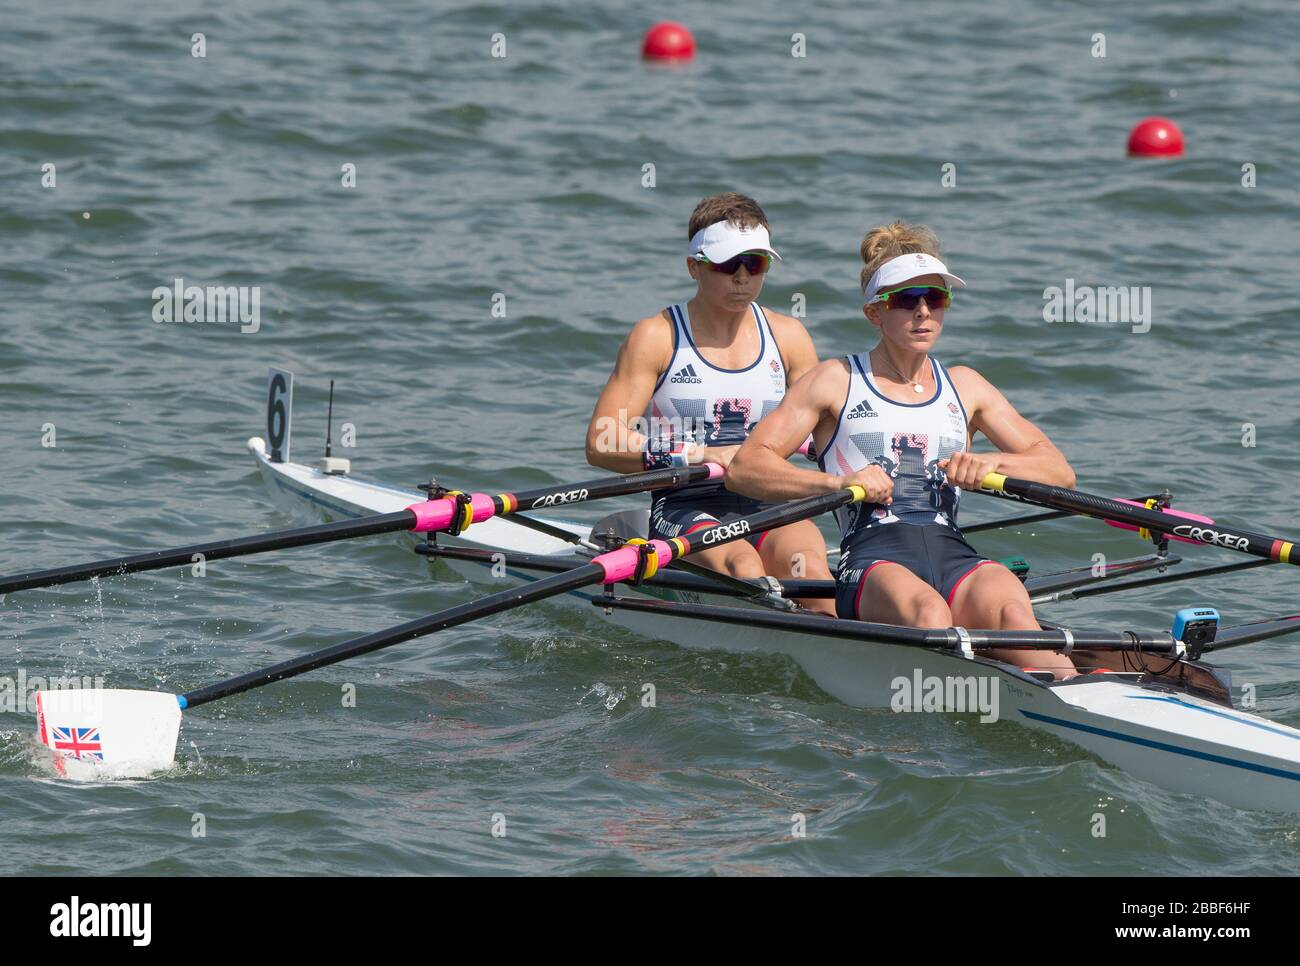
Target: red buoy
1155 137
668 41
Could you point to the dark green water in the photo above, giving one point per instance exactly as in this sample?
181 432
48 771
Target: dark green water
523 176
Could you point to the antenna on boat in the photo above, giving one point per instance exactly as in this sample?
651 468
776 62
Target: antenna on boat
332 465
329 421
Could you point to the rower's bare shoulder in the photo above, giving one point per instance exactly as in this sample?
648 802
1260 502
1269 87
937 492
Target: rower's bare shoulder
653 330
784 324
828 381
971 386
650 343
837 368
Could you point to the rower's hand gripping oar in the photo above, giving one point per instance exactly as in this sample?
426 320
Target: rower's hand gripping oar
453 512
1188 527
119 733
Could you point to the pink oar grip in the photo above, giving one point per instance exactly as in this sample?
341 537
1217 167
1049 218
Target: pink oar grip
803 450
621 564
1194 517
437 514
716 472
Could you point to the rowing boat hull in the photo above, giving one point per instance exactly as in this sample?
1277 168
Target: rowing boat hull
1173 739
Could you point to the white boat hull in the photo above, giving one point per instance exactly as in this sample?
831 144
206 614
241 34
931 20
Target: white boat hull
1170 738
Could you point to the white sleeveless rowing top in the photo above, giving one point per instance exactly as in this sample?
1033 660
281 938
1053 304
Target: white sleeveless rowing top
907 440
696 401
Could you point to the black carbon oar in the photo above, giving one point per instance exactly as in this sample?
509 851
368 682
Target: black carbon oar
1188 527
454 511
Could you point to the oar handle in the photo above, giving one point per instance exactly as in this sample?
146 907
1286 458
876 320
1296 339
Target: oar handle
1191 530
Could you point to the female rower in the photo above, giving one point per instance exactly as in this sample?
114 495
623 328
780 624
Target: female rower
696 379
898 423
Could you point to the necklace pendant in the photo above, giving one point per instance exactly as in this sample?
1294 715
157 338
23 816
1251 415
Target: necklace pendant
917 387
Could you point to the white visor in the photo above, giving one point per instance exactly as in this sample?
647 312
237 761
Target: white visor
900 269
722 240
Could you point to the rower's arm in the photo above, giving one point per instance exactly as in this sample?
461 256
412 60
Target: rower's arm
611 442
1025 451
761 469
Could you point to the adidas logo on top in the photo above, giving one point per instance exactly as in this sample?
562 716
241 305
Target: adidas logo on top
861 409
686 374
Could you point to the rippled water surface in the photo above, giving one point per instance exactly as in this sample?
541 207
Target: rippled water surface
525 176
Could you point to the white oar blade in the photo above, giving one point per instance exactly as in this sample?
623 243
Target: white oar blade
95 733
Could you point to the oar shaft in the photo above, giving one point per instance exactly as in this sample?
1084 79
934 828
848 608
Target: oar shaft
427 516
1209 532
607 486
214 550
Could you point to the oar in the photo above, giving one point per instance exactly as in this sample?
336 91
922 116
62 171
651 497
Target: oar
1188 527
455 511
118 733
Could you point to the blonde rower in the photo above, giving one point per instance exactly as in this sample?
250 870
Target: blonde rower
897 422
